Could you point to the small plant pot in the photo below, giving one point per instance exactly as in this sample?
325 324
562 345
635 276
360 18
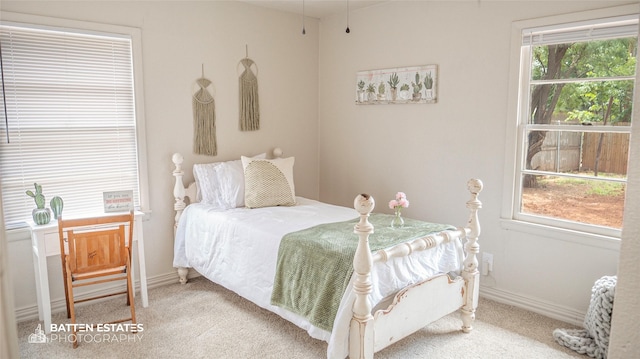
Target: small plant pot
416 96
429 94
41 215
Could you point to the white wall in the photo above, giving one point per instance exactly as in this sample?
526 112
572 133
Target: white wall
430 151
177 38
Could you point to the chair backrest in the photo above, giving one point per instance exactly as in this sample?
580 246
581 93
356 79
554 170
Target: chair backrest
96 243
96 250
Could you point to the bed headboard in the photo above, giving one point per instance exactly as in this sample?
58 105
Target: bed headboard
180 192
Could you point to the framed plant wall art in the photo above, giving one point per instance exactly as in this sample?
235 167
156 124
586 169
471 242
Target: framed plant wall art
417 84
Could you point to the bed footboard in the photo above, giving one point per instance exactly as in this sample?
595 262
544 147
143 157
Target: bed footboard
415 306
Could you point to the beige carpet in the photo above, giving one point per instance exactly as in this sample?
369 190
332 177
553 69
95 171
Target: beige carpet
203 320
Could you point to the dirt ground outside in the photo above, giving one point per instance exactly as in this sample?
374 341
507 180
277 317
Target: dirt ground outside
575 202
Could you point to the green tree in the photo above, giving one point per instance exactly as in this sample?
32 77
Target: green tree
602 102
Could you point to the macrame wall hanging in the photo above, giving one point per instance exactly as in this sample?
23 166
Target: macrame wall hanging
249 108
204 119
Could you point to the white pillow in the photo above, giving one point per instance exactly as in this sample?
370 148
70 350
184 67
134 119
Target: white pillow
268 182
221 184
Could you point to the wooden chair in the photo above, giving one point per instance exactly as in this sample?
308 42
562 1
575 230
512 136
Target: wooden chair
96 250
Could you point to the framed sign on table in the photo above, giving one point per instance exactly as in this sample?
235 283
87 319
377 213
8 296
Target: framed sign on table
118 201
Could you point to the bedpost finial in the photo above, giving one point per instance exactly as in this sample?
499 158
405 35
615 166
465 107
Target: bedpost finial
177 158
364 203
277 152
474 185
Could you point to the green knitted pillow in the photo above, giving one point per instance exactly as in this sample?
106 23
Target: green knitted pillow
268 182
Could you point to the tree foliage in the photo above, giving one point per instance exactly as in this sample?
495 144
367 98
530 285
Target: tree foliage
598 99
586 101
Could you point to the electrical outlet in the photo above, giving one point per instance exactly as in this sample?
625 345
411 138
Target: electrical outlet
487 263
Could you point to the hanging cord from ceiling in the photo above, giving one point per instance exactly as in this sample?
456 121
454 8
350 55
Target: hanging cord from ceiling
4 98
347 30
303 29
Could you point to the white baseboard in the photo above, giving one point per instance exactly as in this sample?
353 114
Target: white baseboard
565 314
535 305
58 304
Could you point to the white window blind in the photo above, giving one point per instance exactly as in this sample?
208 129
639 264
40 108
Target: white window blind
601 29
71 119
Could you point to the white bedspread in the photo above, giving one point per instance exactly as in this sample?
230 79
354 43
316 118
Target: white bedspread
238 249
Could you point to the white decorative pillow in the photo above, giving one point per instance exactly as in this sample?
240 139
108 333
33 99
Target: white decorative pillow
204 175
268 182
221 184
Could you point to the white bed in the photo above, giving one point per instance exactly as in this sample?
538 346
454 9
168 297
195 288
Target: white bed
406 286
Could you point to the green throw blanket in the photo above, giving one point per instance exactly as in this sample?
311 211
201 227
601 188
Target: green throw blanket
315 264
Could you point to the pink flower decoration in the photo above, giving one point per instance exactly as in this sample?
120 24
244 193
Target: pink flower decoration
401 201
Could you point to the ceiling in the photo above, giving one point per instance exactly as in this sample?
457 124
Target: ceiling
313 8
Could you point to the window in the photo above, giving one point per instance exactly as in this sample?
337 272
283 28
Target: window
70 119
576 83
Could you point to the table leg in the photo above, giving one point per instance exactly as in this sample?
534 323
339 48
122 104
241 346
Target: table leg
143 270
42 289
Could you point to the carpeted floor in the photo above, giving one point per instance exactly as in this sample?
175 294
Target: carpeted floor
203 320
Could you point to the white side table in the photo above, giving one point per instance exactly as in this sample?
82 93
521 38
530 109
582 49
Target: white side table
45 243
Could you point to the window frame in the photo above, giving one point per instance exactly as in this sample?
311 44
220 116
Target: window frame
519 91
135 34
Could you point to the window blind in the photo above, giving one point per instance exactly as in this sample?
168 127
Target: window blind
71 119
601 29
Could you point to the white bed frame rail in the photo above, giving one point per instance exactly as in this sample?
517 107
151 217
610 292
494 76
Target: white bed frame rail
413 307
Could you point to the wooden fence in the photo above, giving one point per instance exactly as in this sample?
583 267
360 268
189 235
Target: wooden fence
567 159
614 154
575 151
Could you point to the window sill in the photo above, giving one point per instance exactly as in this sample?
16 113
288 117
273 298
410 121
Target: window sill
582 238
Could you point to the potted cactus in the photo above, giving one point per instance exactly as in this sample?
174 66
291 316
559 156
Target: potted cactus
393 85
428 86
417 87
361 91
56 205
381 92
40 214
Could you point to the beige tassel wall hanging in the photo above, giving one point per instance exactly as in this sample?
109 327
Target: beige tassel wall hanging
204 119
249 107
